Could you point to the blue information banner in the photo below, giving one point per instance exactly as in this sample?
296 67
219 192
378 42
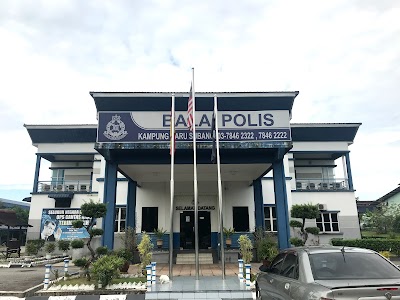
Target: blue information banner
154 127
56 224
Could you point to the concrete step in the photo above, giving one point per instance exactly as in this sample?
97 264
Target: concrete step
190 258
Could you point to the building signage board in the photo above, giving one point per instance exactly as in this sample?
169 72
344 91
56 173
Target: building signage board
154 127
56 224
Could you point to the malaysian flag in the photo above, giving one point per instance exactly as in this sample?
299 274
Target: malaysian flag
190 110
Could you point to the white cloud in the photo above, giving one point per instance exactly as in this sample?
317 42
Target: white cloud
342 56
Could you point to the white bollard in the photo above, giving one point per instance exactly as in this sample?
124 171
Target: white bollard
66 261
248 270
240 274
153 272
47 277
148 270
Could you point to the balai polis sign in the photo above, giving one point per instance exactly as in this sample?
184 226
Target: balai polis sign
154 127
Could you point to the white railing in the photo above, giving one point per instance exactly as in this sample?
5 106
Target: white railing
64 186
312 184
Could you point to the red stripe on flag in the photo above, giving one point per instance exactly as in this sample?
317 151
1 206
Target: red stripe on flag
190 111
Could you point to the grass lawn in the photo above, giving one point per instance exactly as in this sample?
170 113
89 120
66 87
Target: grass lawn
79 281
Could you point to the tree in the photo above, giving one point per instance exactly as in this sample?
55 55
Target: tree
382 219
93 211
22 214
303 212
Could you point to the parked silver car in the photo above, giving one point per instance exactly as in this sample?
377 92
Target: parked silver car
324 273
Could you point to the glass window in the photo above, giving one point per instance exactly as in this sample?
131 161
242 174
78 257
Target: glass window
120 219
149 219
57 177
270 218
241 218
277 263
351 265
328 222
289 266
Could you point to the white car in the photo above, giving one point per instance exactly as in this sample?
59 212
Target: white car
325 273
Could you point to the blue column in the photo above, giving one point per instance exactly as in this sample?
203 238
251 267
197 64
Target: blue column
110 192
348 168
131 204
282 213
258 203
37 171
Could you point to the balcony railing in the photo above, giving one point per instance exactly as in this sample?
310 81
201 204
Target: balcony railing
64 186
322 184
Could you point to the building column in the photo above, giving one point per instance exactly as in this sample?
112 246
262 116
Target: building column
131 204
282 212
37 171
110 192
258 203
348 169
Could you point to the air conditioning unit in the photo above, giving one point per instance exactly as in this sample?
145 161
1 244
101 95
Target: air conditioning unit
322 206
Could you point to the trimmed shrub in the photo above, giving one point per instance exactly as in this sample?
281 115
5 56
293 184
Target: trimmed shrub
106 268
297 242
102 250
50 247
77 244
63 245
377 245
33 246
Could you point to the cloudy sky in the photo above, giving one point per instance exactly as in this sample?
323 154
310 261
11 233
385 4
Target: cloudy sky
342 56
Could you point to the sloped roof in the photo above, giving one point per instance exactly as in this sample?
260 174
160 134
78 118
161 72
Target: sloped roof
389 195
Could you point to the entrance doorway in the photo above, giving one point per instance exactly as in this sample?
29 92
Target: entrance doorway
187 230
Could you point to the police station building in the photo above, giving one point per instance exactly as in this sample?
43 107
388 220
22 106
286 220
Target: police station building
267 165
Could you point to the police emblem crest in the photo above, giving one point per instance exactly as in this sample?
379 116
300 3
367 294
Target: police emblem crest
115 129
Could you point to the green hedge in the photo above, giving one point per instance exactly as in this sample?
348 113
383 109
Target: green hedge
373 244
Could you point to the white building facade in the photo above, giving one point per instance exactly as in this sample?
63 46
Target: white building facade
267 165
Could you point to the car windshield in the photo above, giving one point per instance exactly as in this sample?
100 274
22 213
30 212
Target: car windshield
351 265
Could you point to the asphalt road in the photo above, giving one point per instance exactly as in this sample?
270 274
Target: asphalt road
21 279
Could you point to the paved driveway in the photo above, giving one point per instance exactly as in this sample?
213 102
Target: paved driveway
21 279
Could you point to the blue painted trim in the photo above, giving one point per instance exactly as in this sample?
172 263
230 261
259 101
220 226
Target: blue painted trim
269 205
325 133
348 167
282 212
272 178
131 204
177 240
118 179
37 171
214 240
110 192
88 192
226 102
258 203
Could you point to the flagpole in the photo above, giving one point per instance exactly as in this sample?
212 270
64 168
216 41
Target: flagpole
196 205
221 223
172 186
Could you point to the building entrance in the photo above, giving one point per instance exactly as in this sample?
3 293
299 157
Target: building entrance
187 230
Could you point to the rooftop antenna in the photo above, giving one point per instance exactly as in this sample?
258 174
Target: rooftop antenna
342 250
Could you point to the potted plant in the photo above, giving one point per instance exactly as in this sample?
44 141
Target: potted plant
228 232
159 232
63 245
49 248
